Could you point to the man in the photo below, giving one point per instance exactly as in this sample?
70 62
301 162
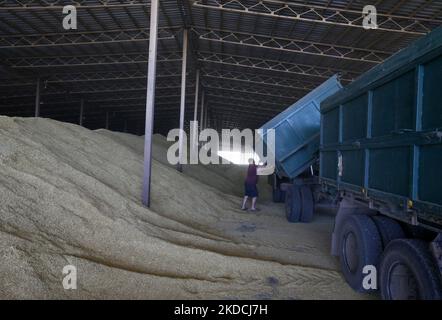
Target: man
250 189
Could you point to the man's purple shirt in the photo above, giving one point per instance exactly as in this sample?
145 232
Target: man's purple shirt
252 177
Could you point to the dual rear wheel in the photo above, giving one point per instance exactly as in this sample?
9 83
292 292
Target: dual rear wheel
299 203
408 272
405 268
278 195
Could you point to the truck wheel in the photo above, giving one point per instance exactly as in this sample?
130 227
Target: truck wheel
408 272
293 204
277 195
282 199
389 229
360 246
307 204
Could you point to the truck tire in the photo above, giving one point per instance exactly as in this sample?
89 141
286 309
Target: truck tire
360 246
275 194
293 204
282 195
307 204
389 229
408 271
278 195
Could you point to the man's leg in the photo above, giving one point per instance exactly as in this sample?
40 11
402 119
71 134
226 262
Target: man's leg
244 202
254 203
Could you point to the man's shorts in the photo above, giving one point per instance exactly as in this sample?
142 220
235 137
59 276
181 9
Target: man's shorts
250 190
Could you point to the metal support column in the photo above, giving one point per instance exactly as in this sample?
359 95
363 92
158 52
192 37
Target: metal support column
107 120
150 100
202 112
206 116
37 98
183 103
195 111
81 112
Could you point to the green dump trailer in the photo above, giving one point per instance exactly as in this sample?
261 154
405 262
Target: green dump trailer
372 150
297 131
381 160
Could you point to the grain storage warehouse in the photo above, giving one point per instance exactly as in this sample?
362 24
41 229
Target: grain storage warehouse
92 207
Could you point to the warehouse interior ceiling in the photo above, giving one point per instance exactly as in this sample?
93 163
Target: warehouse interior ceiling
255 57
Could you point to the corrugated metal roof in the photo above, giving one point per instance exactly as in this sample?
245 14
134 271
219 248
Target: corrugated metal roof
255 57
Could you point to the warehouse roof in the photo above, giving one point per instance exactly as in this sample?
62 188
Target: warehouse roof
255 57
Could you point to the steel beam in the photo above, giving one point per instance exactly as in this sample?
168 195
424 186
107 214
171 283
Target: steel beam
80 38
275 65
30 5
81 112
328 15
238 99
37 98
88 60
253 90
321 49
107 124
195 111
98 88
150 101
91 77
183 102
252 108
253 78
203 56
120 99
202 111
206 115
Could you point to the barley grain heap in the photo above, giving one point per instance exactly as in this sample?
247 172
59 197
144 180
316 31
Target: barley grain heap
71 196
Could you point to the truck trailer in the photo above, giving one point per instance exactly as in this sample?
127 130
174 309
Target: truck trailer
378 160
297 138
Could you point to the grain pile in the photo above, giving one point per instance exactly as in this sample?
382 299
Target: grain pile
69 195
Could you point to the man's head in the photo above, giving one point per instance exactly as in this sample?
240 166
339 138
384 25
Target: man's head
251 161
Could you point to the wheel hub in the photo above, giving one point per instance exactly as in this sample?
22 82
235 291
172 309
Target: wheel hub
402 284
350 252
